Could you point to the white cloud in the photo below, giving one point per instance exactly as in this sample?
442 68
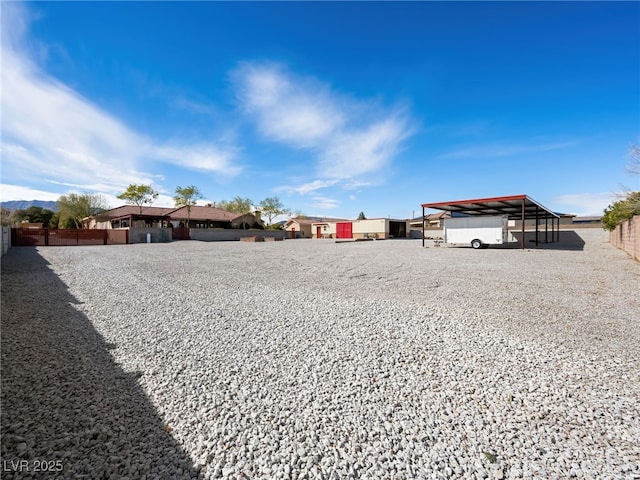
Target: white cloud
496 150
52 133
18 192
356 153
586 204
192 106
299 112
325 203
199 157
349 138
309 187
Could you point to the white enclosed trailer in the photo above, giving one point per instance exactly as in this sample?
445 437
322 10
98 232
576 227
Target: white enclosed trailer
476 231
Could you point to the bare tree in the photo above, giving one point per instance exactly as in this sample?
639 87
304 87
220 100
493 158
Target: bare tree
634 164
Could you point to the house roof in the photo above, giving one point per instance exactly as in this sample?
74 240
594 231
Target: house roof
515 206
202 213
207 213
377 218
588 219
315 220
127 210
431 217
180 213
300 221
437 216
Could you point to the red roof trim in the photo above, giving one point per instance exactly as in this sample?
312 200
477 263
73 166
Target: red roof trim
478 200
508 205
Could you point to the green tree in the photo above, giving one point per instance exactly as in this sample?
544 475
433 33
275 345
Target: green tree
139 195
34 214
622 210
73 207
187 197
272 207
237 205
361 216
54 222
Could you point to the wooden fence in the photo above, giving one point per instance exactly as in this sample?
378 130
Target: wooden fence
21 237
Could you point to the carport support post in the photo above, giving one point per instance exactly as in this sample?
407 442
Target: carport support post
522 227
546 227
423 226
536 225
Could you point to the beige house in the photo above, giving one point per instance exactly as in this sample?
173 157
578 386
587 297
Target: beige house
323 229
371 228
304 227
299 227
431 220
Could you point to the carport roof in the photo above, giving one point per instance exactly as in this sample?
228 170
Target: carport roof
513 206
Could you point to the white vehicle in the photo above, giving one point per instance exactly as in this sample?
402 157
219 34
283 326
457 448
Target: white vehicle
479 232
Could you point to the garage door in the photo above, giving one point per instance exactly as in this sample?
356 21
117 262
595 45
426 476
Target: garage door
344 230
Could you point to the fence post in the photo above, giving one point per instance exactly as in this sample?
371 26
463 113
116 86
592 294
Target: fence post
46 237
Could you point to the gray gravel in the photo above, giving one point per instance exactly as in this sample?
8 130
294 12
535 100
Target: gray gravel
310 359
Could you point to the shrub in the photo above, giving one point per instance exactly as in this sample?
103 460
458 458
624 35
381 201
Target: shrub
620 211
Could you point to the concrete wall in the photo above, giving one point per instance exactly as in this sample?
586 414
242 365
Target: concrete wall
158 235
626 236
6 239
429 232
226 235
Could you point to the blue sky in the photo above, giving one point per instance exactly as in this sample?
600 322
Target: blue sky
335 107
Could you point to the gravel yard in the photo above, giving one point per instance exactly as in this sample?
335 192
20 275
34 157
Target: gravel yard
308 359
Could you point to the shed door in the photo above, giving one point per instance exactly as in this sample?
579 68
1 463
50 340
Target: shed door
344 230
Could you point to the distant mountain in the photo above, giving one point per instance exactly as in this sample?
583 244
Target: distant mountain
24 204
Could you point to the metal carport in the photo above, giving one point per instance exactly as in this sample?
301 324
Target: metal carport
517 207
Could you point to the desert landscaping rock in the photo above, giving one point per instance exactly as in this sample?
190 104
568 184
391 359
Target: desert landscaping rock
308 359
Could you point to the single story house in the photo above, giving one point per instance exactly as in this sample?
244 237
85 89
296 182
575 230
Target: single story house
377 228
209 216
131 216
592 220
303 227
299 227
433 220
